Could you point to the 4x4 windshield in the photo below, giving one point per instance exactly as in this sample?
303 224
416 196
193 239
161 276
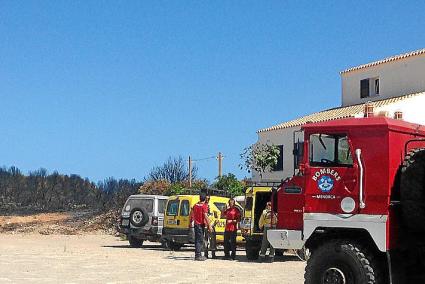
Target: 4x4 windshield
330 150
141 203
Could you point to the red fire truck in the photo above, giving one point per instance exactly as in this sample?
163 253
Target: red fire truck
357 202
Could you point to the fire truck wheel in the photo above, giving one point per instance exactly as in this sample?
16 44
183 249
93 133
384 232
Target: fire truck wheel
252 250
341 262
412 191
135 243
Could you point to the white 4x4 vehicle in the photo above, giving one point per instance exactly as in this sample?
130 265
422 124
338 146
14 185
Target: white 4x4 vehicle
142 218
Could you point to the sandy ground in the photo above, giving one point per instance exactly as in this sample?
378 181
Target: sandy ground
59 223
35 258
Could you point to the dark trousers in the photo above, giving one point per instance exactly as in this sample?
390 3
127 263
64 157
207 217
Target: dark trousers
230 243
199 239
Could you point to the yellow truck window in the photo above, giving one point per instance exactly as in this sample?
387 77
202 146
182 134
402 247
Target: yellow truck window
173 207
248 204
221 207
184 208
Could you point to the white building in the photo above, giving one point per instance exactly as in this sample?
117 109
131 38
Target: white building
394 84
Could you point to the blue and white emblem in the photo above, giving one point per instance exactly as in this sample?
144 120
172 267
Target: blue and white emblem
325 184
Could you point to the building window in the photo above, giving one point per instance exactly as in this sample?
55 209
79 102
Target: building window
364 88
376 86
279 165
369 87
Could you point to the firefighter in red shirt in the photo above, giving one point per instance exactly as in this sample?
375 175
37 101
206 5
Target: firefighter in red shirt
198 219
233 217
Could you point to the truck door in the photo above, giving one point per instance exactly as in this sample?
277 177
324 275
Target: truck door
331 175
184 219
290 199
161 212
171 215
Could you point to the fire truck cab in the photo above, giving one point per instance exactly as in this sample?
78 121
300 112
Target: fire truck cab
345 206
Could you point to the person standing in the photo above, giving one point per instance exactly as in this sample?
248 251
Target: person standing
267 221
210 243
233 216
198 219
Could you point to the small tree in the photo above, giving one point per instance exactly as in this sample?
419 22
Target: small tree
260 158
175 189
157 187
174 170
230 184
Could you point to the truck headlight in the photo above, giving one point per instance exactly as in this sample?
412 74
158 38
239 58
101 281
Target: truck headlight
348 204
127 208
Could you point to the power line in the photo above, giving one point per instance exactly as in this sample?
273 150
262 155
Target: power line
203 159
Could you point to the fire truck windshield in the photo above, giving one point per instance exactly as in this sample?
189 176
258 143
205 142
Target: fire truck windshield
330 150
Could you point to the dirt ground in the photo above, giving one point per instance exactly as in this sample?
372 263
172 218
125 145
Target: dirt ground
100 258
59 223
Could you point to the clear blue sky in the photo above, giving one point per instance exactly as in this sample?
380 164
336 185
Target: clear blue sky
112 88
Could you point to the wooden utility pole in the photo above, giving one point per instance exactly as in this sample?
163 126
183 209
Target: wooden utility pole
220 164
190 172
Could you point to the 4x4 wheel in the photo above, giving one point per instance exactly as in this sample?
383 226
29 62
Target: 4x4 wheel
252 250
135 243
139 217
173 245
342 262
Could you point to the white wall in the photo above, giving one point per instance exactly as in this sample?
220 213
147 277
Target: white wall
412 108
279 137
397 78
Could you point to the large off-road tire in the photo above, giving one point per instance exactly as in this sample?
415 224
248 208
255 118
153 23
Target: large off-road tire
135 243
139 217
252 249
342 262
412 191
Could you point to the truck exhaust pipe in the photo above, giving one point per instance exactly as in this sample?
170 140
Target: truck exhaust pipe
362 204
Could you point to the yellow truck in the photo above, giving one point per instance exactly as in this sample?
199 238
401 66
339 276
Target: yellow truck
256 197
176 231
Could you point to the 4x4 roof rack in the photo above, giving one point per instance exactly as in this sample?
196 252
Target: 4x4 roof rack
208 191
271 183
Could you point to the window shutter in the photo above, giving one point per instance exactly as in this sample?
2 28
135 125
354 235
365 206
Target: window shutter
364 88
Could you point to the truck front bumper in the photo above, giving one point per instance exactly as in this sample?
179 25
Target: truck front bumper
285 239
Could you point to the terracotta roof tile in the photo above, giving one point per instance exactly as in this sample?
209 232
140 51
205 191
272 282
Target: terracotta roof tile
336 113
389 59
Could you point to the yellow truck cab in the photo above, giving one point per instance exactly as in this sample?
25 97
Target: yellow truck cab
256 197
176 231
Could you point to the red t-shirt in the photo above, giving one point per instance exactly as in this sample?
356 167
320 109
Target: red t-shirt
198 213
232 214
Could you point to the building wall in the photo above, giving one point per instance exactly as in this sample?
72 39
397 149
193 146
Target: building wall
412 108
279 137
396 78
